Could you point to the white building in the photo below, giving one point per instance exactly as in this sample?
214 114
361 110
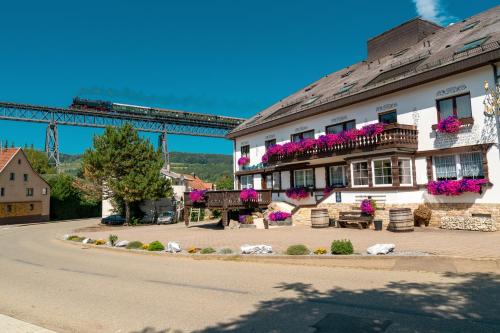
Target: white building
415 75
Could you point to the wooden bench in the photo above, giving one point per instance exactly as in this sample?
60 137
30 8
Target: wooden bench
355 217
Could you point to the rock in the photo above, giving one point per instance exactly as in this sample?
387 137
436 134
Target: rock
66 237
259 223
173 247
87 241
256 249
122 243
380 248
233 224
468 223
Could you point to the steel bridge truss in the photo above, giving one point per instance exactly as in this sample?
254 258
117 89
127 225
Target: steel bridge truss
170 122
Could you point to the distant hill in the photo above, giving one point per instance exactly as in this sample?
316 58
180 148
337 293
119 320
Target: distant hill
208 167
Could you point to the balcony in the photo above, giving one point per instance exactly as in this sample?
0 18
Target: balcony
395 136
226 201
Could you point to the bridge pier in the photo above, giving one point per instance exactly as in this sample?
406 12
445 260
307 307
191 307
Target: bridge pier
52 144
163 145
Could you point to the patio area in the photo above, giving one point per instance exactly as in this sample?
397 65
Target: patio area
428 240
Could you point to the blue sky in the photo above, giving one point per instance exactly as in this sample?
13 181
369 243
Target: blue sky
229 57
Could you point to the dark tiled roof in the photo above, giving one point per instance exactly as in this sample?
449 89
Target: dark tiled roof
438 49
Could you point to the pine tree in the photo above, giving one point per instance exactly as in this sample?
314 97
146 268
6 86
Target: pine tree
126 167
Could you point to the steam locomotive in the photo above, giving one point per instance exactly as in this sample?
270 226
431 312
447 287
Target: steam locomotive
107 106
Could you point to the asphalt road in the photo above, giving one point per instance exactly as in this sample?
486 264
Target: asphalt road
68 288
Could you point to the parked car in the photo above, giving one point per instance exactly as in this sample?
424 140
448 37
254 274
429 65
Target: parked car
113 220
166 218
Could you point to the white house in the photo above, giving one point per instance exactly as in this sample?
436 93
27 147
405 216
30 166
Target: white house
415 75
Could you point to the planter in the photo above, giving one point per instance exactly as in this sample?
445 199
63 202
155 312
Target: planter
400 220
286 222
378 225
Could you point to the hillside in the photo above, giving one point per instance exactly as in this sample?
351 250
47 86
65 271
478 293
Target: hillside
208 167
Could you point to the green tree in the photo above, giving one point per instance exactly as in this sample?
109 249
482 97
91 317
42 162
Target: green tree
126 167
38 160
224 183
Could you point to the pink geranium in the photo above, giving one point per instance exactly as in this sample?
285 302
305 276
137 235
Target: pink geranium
248 195
279 216
367 207
372 130
197 195
291 148
455 187
297 193
449 125
327 191
244 160
306 144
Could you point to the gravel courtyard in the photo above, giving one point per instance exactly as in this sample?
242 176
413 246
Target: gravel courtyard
422 240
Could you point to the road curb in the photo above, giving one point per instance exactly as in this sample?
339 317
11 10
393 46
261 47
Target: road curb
427 263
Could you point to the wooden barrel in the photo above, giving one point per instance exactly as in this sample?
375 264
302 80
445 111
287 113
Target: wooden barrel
320 218
400 220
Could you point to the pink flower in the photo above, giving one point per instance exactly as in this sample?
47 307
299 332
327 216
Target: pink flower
197 195
248 194
279 216
371 130
367 207
449 125
291 148
455 187
327 191
307 144
297 193
243 160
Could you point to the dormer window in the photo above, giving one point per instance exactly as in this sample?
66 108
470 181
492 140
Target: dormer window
347 87
346 74
469 26
473 44
311 100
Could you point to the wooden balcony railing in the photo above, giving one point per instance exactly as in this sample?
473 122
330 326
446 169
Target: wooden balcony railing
229 200
394 136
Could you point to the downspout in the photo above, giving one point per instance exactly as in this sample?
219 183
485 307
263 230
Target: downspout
234 165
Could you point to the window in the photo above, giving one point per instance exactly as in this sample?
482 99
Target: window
32 207
382 172
44 191
471 165
303 178
29 192
12 176
446 167
389 117
360 174
347 87
346 74
311 100
396 72
18 161
25 176
276 180
9 208
473 44
2 192
245 150
336 176
458 106
270 143
303 135
337 128
466 165
469 26
246 181
405 175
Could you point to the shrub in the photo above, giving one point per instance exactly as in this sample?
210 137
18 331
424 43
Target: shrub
342 246
100 242
226 250
320 250
422 215
135 245
193 249
207 250
113 239
75 238
145 246
297 250
156 246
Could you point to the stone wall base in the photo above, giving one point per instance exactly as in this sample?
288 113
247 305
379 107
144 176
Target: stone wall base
439 210
23 219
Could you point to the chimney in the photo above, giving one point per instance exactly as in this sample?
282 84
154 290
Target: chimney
400 38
